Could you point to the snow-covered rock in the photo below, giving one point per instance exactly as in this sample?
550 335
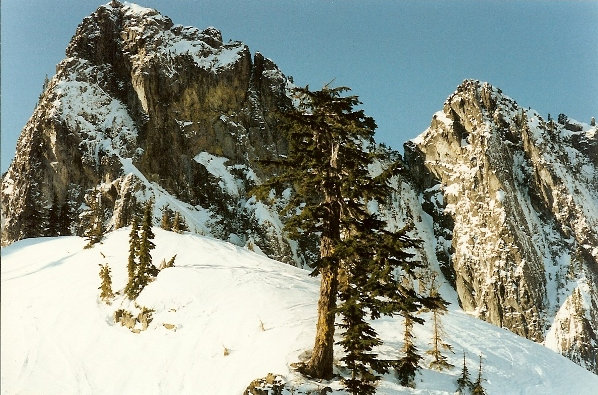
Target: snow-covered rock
132 110
515 201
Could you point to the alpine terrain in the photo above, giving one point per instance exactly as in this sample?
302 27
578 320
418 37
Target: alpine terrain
504 202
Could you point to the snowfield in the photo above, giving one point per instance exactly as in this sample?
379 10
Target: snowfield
59 338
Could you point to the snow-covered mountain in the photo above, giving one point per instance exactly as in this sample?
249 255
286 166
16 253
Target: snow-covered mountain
515 205
505 202
58 337
142 107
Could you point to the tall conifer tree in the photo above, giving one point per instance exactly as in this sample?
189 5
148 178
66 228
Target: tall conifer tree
464 382
331 147
408 365
146 269
95 230
131 287
53 218
326 139
439 361
64 219
477 388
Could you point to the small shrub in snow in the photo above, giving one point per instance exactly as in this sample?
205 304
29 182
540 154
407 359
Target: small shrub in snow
166 265
145 317
106 287
125 318
271 384
226 351
128 320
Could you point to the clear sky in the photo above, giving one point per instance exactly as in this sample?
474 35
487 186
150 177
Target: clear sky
403 58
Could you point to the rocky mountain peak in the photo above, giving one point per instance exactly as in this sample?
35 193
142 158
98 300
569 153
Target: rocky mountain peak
141 107
514 199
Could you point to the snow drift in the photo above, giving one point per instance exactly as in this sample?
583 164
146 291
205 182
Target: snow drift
58 337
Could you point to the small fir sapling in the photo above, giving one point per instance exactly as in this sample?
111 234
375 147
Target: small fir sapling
130 289
464 382
439 361
106 286
166 223
477 388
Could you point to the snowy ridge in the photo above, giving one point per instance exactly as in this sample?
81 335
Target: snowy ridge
216 296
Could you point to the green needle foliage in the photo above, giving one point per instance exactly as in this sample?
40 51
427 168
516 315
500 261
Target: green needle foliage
130 289
477 388
140 267
439 361
331 149
106 286
464 382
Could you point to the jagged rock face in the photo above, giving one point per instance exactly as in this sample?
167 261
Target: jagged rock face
515 204
143 107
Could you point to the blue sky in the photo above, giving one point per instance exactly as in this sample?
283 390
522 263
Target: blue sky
403 58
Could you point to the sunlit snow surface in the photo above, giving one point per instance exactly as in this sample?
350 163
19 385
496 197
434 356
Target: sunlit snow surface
57 338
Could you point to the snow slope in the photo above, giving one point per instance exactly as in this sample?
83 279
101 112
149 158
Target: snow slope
58 338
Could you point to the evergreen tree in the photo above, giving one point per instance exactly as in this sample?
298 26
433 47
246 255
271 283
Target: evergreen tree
64 219
44 88
325 152
326 167
330 149
439 361
166 265
32 217
176 223
95 232
358 337
146 270
132 286
464 382
477 388
53 218
408 365
166 223
106 286
562 119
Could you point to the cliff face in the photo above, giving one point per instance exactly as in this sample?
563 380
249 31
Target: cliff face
143 107
515 207
506 203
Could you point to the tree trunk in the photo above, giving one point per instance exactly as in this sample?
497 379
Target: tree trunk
321 361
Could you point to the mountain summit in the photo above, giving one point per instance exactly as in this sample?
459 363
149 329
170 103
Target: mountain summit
142 107
505 202
515 205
